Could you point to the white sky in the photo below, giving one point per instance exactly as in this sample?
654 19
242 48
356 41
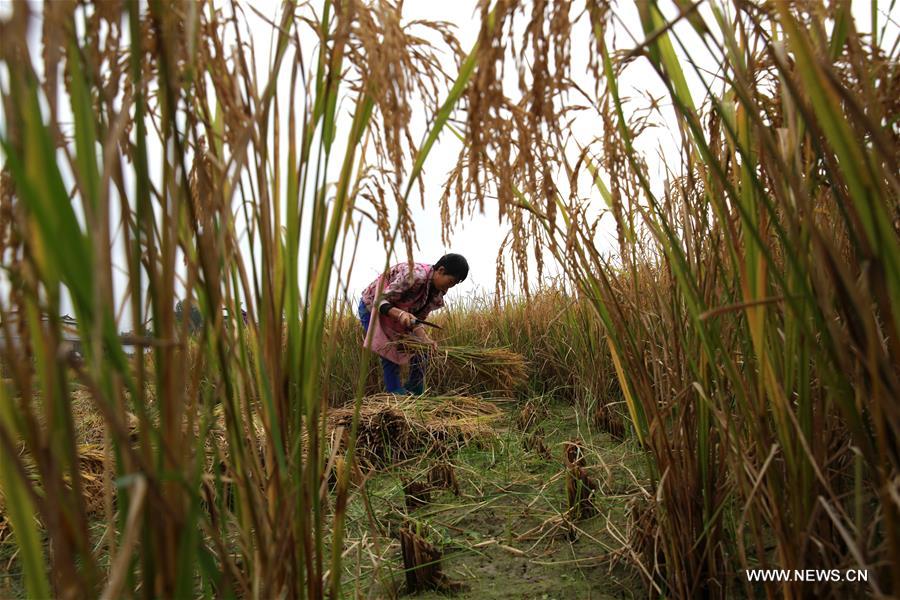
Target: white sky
478 238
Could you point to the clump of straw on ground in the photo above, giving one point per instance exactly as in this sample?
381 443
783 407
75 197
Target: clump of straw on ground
396 428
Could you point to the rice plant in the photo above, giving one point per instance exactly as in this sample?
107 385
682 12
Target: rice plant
751 309
742 337
143 138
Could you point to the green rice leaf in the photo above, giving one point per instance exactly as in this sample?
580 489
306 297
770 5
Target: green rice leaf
21 512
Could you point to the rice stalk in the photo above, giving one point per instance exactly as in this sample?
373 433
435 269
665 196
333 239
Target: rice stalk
743 297
392 428
176 161
497 369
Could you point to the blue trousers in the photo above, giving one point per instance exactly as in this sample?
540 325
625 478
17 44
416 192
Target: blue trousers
391 370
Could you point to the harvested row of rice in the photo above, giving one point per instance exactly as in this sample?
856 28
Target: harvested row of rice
89 426
396 428
93 459
391 429
495 369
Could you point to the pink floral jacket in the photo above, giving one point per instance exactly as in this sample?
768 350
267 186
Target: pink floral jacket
407 289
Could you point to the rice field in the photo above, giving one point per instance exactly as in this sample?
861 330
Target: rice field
688 371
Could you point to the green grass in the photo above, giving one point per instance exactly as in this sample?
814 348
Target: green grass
505 492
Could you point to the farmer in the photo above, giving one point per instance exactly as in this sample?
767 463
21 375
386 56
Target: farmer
408 295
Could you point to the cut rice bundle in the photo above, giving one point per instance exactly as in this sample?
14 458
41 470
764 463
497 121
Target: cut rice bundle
396 428
494 369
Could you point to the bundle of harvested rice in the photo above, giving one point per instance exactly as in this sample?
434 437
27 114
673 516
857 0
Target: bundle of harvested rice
495 369
91 457
91 463
395 428
90 426
89 422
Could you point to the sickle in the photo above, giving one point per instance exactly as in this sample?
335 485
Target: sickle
421 322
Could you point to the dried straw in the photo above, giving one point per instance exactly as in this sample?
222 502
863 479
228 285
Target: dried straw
396 428
495 369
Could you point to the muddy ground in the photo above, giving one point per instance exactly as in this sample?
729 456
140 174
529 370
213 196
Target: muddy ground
505 535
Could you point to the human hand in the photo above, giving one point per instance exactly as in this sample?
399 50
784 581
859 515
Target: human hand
408 320
423 337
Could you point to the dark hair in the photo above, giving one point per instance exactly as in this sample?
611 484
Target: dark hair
454 264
